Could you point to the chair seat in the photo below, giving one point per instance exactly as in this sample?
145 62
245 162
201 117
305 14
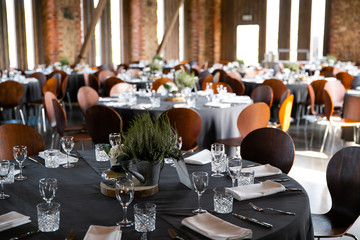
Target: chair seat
76 127
344 122
80 136
232 142
327 226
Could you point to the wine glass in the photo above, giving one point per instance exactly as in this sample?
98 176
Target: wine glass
20 154
4 172
234 165
47 188
179 142
114 139
67 143
217 153
200 181
125 194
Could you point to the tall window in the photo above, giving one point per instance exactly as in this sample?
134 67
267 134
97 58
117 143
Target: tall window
272 25
294 29
317 29
97 39
29 34
181 33
10 12
247 44
115 32
160 20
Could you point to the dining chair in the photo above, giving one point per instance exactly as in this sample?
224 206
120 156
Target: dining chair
335 121
87 97
187 123
222 74
105 74
278 88
60 75
263 93
285 95
342 177
101 121
224 85
318 86
208 79
11 93
284 114
94 82
121 88
202 76
18 134
40 77
61 125
345 78
327 71
235 75
269 146
236 85
158 82
63 92
337 92
196 70
110 82
254 116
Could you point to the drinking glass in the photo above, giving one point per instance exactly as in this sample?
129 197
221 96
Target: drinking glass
67 143
200 181
145 218
4 171
217 153
114 139
125 194
234 165
47 188
20 154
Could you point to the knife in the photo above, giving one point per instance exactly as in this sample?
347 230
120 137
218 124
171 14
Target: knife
25 235
37 161
252 165
264 224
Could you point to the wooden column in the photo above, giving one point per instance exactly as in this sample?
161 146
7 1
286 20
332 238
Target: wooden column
38 32
20 34
4 46
172 47
304 35
284 28
327 27
106 56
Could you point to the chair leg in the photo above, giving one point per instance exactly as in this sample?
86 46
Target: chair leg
298 114
325 136
333 141
21 115
52 139
351 235
43 118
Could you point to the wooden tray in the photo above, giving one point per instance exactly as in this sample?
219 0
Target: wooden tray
175 99
140 191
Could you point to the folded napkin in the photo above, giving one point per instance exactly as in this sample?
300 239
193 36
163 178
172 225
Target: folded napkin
264 170
142 106
200 158
237 99
218 105
215 228
101 232
256 190
115 104
62 158
107 99
12 219
180 105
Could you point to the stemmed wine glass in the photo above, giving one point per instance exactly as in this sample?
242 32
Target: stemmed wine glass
67 143
4 172
234 165
114 139
20 154
200 181
47 188
125 194
217 153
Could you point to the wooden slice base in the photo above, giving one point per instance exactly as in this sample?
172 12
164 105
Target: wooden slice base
139 191
175 99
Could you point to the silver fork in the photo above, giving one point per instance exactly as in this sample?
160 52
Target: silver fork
271 209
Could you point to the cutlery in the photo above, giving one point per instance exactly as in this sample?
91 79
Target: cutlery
174 235
261 223
37 161
25 234
293 189
280 179
270 209
70 235
251 165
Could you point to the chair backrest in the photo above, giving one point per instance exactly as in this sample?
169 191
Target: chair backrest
236 85
278 88
18 134
110 82
343 180
285 113
208 79
11 93
87 97
254 116
94 82
284 96
60 79
318 86
235 75
269 145
49 107
225 85
345 78
158 82
351 107
222 74
120 88
60 117
263 93
105 74
327 71
329 105
63 88
40 77
50 86
337 91
187 123
101 121
202 76
311 94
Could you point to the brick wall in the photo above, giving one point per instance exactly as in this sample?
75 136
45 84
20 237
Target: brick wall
345 30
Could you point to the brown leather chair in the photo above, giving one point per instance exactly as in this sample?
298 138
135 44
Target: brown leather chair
87 97
222 74
269 145
105 74
11 93
94 82
158 82
263 93
18 134
256 115
120 88
187 123
327 71
208 79
278 88
101 121
285 114
110 82
342 177
236 85
50 86
318 86
60 79
40 77
345 78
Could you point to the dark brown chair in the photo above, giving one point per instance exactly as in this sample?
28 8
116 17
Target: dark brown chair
60 79
40 77
345 78
120 88
94 82
284 96
235 75
254 116
269 145
105 74
343 181
158 82
63 91
236 85
19 134
110 82
101 121
222 74
327 71
187 123
318 86
263 94
278 88
11 93
50 86
87 97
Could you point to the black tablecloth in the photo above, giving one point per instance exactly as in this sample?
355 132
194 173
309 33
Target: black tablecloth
82 204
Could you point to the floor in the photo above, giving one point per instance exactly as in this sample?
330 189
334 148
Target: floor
309 168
